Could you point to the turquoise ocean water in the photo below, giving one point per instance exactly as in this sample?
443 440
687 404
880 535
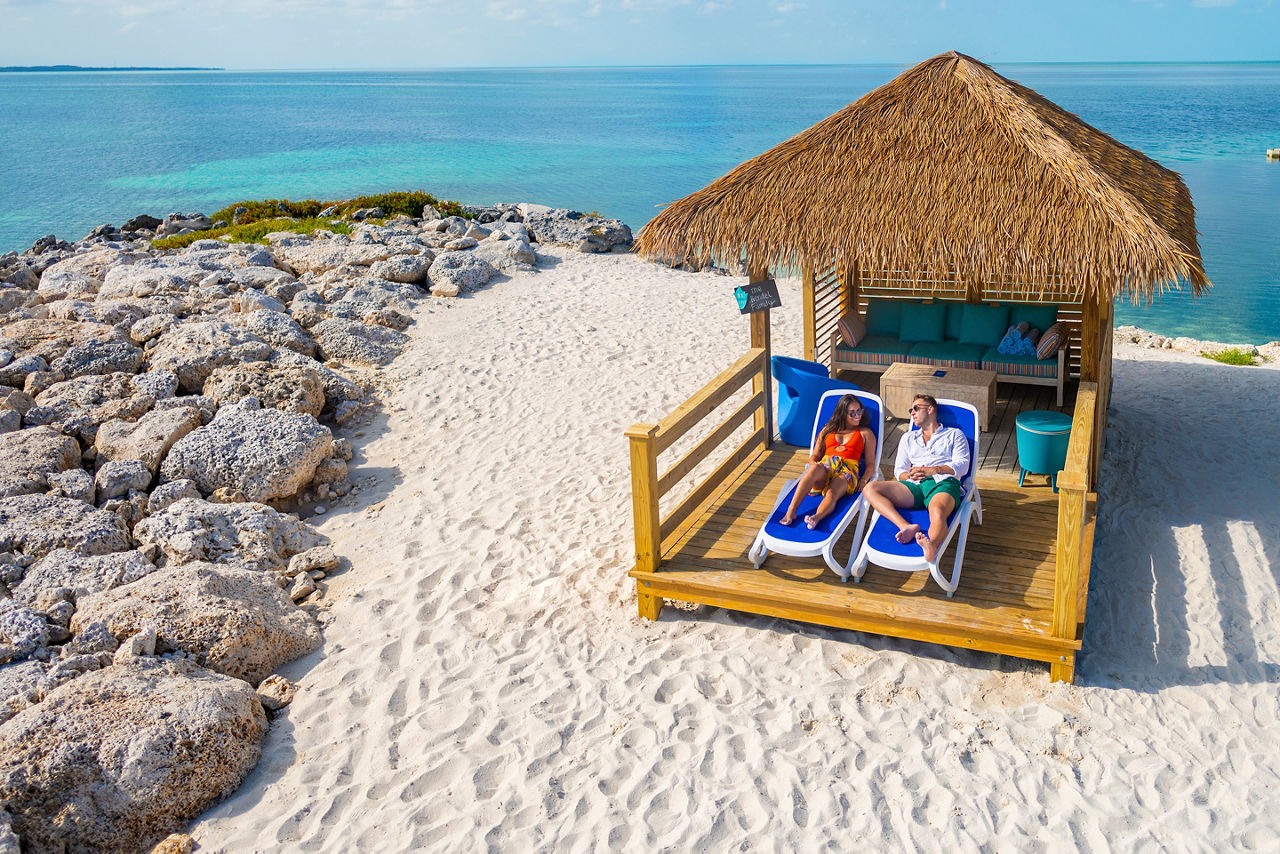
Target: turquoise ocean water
80 149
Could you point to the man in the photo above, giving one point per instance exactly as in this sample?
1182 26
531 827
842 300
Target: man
928 469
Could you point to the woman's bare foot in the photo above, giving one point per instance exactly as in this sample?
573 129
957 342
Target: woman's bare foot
811 522
787 519
908 534
926 546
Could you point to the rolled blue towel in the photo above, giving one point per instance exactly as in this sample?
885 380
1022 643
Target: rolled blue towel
1011 343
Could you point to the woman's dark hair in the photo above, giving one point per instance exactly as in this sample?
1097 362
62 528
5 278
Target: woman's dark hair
841 416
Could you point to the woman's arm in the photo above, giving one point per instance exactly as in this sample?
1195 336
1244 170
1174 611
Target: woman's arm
819 445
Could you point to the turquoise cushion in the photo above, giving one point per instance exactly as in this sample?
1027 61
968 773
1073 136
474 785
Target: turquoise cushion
1039 315
884 316
949 351
922 322
983 324
955 316
886 344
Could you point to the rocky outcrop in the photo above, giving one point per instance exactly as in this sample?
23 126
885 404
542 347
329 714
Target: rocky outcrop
117 759
149 438
192 350
560 227
28 458
291 388
235 621
355 343
455 272
80 575
244 534
37 524
280 331
77 407
259 453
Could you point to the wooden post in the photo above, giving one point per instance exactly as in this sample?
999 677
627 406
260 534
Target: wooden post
810 311
1090 345
849 290
644 508
760 337
1073 496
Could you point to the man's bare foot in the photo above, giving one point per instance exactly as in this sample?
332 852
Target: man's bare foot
787 519
926 546
908 533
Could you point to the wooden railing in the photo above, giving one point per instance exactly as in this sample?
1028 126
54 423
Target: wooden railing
649 440
1075 482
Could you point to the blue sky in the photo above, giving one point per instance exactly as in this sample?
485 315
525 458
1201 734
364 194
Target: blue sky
461 33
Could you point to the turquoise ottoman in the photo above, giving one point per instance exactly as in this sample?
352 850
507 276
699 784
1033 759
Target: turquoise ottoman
1043 437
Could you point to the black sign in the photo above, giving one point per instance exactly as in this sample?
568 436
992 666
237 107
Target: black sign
758 296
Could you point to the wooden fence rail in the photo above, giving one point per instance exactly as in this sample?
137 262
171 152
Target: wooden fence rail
1074 542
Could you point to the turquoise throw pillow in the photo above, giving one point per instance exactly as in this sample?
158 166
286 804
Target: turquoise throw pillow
1039 315
884 317
955 318
922 322
983 324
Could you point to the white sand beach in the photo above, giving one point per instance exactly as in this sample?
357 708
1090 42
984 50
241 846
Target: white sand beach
486 684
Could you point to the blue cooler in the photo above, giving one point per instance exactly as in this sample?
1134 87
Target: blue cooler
1043 437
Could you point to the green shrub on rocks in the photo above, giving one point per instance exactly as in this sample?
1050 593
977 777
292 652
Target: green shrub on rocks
1231 356
253 232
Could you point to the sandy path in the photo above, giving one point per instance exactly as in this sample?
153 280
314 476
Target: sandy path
486 683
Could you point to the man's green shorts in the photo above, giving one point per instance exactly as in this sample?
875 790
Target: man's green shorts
926 489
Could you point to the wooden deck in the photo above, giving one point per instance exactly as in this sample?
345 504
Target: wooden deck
1025 577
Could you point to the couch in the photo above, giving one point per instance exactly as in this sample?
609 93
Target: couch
949 334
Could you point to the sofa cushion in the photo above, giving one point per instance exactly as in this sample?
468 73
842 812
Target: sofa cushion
955 319
874 350
884 316
1019 366
947 354
983 324
1050 342
1039 315
923 322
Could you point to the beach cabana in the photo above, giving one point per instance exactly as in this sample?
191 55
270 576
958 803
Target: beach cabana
948 184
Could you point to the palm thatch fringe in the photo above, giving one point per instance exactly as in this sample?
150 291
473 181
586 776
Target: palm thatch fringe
950 171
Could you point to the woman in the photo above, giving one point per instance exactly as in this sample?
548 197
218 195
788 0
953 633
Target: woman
841 462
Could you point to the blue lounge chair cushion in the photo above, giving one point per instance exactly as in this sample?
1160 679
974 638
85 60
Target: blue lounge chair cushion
923 322
798 532
884 535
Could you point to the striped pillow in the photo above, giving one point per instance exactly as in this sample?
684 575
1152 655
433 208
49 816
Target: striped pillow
1050 342
852 329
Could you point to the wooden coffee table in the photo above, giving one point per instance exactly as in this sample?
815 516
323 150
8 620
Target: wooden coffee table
902 382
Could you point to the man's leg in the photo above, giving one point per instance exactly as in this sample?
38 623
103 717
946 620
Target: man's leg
940 506
887 496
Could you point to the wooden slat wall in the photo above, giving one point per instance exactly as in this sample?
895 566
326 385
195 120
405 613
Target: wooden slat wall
826 310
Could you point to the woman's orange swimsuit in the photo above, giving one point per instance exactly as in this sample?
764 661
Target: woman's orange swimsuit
841 460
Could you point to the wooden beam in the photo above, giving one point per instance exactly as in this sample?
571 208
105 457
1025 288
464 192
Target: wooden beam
644 495
810 313
1090 343
761 340
707 398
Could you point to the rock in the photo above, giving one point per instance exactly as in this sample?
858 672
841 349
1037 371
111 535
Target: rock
10 420
73 483
252 535
29 458
81 574
146 328
562 227
167 493
92 639
49 338
291 388
174 843
176 223
161 385
9 842
82 275
119 477
235 621
280 330
264 453
409 269
37 524
16 400
302 587
142 222
207 406
38 381
507 254
151 277
15 373
22 631
149 438
453 272
115 760
352 342
247 302
368 213
460 243
140 643
192 350
78 406
331 470
275 692
98 357
324 255
320 557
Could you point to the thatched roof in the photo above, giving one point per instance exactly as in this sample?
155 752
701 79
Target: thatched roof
949 169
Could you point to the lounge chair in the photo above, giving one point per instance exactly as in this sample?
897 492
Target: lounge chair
797 539
801 384
881 546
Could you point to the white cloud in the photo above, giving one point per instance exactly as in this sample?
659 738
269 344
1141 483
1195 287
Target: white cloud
711 7
506 10
784 7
